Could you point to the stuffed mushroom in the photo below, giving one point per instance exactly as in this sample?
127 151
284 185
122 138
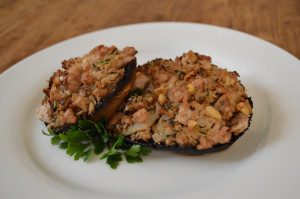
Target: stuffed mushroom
88 87
188 106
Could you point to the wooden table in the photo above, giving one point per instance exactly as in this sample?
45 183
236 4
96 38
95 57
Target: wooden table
30 25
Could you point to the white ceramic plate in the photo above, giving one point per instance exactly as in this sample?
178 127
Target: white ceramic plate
264 163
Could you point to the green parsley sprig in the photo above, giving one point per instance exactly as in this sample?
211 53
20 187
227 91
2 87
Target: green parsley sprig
86 137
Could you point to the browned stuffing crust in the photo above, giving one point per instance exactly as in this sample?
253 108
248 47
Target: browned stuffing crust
76 90
188 102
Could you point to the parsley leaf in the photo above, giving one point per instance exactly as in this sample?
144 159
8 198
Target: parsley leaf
77 151
87 154
113 160
46 133
98 146
86 137
131 159
85 124
113 150
133 151
51 133
144 151
63 137
63 145
55 140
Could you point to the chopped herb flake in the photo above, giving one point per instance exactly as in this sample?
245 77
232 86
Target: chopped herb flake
164 67
151 108
178 72
103 61
136 92
93 65
114 50
171 120
203 133
168 106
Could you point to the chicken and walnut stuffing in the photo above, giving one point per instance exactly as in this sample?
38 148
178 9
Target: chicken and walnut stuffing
186 102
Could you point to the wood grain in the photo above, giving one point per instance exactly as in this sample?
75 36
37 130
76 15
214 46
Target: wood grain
30 25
